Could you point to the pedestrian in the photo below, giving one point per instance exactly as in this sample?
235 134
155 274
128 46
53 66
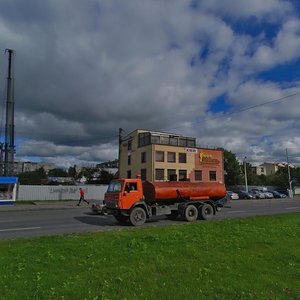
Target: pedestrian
81 192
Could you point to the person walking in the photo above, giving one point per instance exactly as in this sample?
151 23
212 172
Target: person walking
81 192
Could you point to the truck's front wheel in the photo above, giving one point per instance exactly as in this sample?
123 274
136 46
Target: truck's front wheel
138 216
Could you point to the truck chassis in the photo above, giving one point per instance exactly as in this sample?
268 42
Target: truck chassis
188 210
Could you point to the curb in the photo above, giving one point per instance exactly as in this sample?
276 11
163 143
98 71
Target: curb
37 207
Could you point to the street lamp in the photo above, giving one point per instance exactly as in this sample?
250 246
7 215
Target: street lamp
289 175
245 170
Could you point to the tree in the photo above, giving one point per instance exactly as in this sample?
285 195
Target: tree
233 173
88 173
35 177
57 173
72 171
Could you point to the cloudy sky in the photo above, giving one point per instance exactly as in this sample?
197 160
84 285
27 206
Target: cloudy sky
226 72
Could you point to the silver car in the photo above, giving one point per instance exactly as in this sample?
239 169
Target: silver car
268 195
258 194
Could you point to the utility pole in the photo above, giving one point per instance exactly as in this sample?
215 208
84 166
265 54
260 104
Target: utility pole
245 171
120 142
289 174
1 159
9 147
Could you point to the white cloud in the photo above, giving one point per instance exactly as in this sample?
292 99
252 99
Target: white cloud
85 68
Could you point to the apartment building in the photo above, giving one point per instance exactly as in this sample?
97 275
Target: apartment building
160 156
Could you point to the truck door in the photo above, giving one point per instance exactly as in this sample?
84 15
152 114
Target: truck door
131 194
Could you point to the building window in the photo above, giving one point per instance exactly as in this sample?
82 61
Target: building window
174 141
160 156
171 157
172 175
129 174
144 174
143 157
129 160
155 139
164 140
182 175
212 175
182 158
159 174
190 142
129 145
198 175
144 139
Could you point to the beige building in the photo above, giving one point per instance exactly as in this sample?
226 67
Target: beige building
270 168
266 169
29 166
159 156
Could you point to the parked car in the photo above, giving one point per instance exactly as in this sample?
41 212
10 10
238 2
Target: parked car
257 194
232 195
99 208
268 195
285 192
245 195
277 194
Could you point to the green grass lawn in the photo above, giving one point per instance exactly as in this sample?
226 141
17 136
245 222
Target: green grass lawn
253 258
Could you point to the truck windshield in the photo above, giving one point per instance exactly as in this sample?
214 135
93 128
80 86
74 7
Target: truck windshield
115 186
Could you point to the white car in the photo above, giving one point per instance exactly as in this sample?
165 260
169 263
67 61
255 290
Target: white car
232 195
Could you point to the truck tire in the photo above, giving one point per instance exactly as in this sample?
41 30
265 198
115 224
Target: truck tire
191 213
206 211
137 216
121 219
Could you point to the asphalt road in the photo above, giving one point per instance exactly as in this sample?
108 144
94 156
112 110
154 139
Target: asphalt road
56 220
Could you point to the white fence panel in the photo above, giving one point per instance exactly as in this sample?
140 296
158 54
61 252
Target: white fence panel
50 192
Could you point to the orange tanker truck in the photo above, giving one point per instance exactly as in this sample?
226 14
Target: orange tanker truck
135 200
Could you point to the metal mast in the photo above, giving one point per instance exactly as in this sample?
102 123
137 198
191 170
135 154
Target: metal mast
9 147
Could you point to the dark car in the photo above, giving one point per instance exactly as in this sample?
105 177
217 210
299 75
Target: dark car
245 195
277 194
285 192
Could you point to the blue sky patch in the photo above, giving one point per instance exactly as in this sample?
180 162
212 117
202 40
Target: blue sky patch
203 53
282 73
254 28
219 104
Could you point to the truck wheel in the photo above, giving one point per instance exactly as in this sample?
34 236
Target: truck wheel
138 216
206 211
191 213
121 219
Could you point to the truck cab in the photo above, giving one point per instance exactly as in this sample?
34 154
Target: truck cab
122 194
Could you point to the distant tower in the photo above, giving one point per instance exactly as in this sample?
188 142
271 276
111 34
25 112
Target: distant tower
9 147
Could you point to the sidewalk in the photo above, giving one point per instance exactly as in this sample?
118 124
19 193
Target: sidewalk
45 205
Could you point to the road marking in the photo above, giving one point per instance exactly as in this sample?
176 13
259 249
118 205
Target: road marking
295 207
18 229
236 211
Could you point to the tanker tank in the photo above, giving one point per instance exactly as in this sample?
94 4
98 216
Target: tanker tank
167 192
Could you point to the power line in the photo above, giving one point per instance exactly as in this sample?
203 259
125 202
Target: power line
217 117
237 111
